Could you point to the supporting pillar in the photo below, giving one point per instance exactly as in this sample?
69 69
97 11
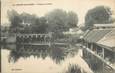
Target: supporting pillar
91 46
87 45
103 55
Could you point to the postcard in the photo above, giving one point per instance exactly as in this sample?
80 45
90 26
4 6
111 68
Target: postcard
57 36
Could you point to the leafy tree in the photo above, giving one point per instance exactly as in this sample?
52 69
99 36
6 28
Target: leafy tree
28 18
72 19
40 25
29 22
15 20
98 15
57 20
26 23
61 20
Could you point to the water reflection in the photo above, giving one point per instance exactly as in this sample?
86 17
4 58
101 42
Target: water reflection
43 59
56 53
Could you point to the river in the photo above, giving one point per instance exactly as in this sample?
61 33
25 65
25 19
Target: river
42 60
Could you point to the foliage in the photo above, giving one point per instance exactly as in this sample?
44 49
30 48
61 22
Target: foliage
15 20
60 20
26 23
40 25
98 15
54 21
74 69
72 19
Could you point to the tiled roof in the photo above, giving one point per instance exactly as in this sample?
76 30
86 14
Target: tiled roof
105 37
95 35
109 39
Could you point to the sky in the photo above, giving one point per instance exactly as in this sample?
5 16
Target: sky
80 7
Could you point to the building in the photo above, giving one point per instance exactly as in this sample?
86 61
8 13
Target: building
99 44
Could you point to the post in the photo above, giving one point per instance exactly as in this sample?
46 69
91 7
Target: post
91 46
103 54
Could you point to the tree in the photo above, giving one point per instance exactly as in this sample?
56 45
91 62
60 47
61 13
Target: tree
29 22
59 20
40 25
98 15
15 20
72 19
56 20
29 18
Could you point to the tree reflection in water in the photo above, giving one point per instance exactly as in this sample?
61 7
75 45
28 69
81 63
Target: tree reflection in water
56 53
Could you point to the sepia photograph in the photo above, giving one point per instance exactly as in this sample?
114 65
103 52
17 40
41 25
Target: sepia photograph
57 36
